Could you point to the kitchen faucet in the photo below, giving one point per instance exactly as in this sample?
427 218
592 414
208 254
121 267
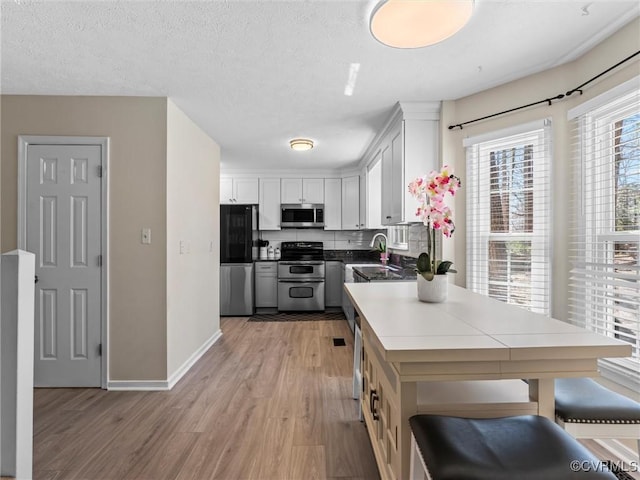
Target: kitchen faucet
373 240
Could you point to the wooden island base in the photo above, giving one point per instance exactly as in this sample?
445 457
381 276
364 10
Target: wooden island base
464 357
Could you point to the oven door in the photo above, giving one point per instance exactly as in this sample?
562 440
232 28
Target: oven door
295 270
300 295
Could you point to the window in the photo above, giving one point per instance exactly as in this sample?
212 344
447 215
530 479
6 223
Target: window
398 237
508 233
605 264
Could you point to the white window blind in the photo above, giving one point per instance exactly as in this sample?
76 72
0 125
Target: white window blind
605 265
508 220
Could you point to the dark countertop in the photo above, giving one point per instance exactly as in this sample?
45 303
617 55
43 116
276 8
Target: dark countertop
352 256
382 274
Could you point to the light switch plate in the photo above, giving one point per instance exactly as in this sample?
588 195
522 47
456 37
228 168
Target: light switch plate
146 236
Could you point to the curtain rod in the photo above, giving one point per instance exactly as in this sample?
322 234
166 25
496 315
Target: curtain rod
548 101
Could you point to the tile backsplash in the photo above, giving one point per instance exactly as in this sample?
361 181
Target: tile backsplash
349 239
332 240
418 240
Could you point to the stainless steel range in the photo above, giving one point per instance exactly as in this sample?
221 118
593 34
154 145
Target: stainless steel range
301 276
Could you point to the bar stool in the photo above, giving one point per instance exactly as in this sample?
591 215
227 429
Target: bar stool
586 409
526 447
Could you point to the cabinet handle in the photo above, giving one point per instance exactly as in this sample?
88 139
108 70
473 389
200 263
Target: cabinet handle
388 217
373 398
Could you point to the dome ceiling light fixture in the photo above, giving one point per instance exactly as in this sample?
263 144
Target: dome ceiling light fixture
418 23
301 144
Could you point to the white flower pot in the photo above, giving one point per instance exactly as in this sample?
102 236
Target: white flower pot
434 291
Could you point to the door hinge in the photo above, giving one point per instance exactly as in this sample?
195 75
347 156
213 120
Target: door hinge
99 260
100 171
99 349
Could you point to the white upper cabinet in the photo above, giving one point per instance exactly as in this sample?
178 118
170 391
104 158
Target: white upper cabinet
351 203
269 205
239 190
302 190
374 192
245 190
291 190
363 198
313 190
226 190
392 178
409 148
332 204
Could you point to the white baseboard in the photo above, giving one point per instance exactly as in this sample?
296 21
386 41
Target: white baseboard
163 385
138 385
186 366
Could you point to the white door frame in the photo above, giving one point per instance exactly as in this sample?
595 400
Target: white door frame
25 141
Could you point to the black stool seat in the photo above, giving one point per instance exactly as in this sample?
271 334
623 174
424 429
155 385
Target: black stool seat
583 400
526 447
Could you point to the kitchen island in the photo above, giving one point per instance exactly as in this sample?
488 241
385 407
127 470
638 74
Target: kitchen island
464 357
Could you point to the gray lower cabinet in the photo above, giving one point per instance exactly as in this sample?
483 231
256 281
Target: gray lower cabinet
333 285
266 281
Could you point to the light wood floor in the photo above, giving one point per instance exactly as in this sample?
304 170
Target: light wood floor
267 401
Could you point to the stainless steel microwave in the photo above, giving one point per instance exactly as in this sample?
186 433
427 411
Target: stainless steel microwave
302 215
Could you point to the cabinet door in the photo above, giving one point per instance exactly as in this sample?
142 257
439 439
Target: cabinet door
386 184
291 190
333 204
333 284
363 198
245 190
266 284
351 203
269 205
374 192
313 190
397 178
392 178
226 190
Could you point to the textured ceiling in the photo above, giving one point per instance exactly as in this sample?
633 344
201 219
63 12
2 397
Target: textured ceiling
254 74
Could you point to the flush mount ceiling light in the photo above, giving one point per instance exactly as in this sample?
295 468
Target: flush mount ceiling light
418 23
301 144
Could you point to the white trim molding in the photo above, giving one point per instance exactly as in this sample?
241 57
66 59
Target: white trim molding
174 378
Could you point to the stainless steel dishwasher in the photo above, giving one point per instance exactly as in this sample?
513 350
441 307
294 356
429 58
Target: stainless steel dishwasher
236 289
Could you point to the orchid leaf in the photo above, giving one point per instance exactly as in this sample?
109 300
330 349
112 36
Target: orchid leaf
423 265
427 275
444 267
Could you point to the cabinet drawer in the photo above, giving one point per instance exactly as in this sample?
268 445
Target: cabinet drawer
266 267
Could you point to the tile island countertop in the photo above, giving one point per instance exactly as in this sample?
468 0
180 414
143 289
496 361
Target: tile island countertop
469 327
465 356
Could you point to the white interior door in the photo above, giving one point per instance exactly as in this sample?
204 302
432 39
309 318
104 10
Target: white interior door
63 229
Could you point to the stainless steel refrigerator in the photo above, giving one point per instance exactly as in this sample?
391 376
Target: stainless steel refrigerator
238 249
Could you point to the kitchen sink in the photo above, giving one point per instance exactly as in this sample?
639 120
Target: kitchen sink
377 272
